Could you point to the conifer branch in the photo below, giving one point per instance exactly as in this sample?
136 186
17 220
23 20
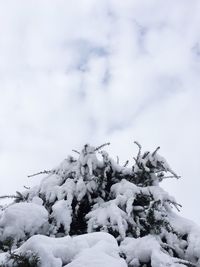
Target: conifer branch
18 196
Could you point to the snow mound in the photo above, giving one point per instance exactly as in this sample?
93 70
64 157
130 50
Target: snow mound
89 250
22 219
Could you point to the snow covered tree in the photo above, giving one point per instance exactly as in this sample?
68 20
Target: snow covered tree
91 211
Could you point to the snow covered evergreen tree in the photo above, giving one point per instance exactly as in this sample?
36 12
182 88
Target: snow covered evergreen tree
91 211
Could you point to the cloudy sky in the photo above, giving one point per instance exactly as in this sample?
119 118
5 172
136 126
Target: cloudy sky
95 71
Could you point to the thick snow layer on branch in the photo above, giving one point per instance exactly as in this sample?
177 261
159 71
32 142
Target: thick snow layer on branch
22 218
66 190
49 187
3 257
88 158
89 250
128 190
62 215
192 235
125 188
125 193
144 250
159 194
108 216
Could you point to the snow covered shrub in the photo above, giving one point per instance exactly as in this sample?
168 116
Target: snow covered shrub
94 193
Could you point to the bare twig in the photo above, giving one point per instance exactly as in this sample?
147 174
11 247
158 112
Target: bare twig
126 163
135 159
38 173
185 262
26 187
139 151
100 147
76 151
153 154
117 160
8 196
176 205
145 155
173 173
170 176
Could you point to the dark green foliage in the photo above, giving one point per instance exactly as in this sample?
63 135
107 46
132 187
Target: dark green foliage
7 244
28 259
21 197
79 223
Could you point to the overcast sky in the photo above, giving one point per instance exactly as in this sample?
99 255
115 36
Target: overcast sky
95 71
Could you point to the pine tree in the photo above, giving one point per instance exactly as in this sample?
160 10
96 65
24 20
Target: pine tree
94 193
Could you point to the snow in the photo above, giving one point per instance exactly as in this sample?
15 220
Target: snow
81 189
51 251
192 233
125 188
89 250
37 200
193 249
97 256
144 250
62 215
49 187
159 194
88 159
3 258
125 193
21 219
130 190
108 215
66 191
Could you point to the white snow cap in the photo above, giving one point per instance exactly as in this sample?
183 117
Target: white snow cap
22 219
